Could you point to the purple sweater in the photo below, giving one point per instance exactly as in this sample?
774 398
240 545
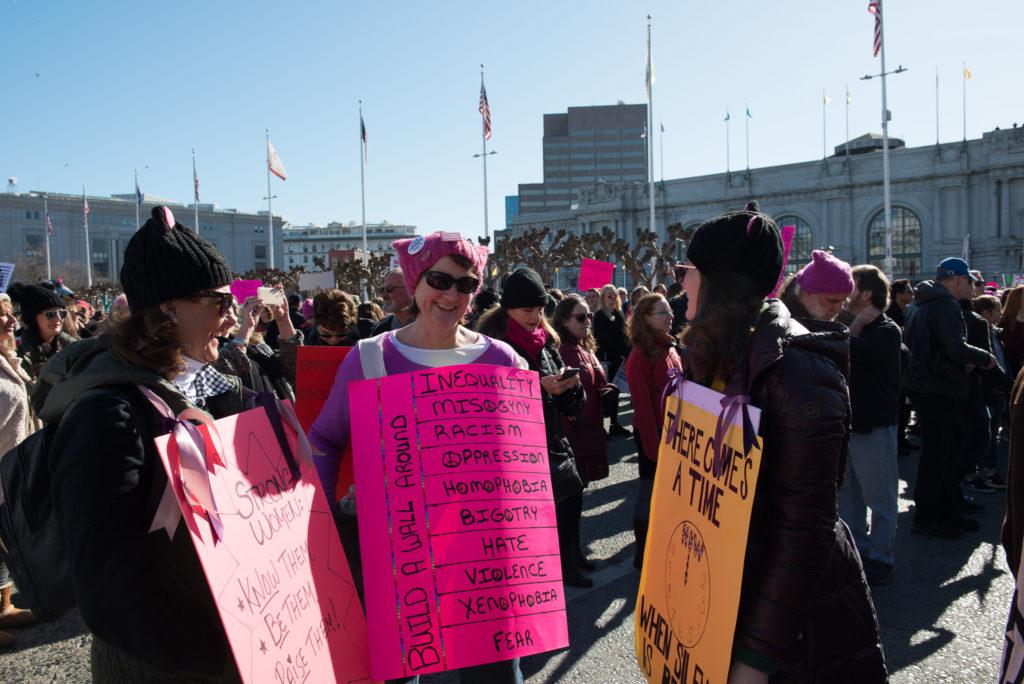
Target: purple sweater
331 434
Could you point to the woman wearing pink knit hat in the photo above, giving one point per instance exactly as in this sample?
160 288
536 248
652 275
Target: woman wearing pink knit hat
818 290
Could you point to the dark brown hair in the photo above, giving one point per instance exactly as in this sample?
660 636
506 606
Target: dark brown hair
147 339
899 287
985 303
718 334
562 312
870 279
494 323
462 261
334 310
651 342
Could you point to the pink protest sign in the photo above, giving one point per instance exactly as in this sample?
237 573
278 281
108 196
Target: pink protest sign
278 573
594 273
456 518
787 244
243 289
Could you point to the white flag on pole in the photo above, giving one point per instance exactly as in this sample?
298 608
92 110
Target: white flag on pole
274 162
966 251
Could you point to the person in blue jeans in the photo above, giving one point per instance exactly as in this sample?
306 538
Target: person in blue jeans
872 474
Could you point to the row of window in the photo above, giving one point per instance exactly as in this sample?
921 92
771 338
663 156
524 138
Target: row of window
584 132
607 143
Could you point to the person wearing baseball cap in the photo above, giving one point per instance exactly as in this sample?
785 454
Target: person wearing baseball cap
942 361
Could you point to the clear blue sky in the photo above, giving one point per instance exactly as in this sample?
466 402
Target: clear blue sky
93 89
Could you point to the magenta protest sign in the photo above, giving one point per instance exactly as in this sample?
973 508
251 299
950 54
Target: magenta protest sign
266 539
594 273
456 519
243 289
787 244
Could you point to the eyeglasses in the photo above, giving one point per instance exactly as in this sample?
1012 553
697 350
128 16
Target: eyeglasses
661 313
328 335
390 288
442 281
583 318
225 299
56 313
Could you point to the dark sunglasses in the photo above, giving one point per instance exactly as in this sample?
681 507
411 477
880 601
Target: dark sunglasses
326 335
59 313
390 288
582 318
225 300
442 281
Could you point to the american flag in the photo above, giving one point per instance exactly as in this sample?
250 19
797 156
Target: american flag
85 212
876 9
364 138
195 180
49 225
485 111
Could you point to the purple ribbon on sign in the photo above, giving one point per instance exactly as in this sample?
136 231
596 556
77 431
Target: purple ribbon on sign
188 483
730 405
676 378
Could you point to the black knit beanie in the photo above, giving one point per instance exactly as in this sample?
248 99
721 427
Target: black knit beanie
740 252
523 288
165 260
34 299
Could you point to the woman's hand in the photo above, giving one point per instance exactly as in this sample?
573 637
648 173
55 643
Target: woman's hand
247 317
555 385
741 673
285 329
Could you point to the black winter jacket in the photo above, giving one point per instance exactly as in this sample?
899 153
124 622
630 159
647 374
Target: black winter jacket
937 338
804 602
140 592
568 404
610 333
875 384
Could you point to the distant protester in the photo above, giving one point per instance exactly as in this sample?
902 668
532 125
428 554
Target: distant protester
818 290
397 303
43 313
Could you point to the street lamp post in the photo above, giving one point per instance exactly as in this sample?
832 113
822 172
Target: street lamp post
270 263
887 200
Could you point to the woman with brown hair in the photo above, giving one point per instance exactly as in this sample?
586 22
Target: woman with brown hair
805 613
1013 330
612 346
143 595
586 434
647 371
43 315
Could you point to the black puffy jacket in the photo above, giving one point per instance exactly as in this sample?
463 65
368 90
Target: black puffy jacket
804 602
937 338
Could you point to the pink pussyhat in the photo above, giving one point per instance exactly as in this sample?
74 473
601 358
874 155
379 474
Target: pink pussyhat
418 254
825 275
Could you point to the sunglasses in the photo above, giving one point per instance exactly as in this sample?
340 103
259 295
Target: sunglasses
58 313
583 318
327 335
390 288
442 281
225 300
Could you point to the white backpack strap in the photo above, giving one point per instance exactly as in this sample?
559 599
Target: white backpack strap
371 356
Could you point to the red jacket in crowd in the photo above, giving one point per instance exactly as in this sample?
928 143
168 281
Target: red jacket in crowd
647 378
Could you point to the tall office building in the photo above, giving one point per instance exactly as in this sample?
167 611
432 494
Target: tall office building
584 146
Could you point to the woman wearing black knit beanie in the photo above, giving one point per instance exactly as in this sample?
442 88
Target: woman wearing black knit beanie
42 314
143 595
805 613
520 321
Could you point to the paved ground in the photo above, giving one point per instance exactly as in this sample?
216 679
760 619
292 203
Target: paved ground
942 617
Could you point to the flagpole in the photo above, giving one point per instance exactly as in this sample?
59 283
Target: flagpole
137 224
362 188
46 215
847 143
650 121
88 248
746 131
270 209
824 132
195 192
661 152
887 199
963 79
727 154
483 156
936 105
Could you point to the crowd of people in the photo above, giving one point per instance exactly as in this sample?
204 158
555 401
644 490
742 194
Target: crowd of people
850 371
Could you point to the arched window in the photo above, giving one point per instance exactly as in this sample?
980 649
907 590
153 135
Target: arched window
906 242
800 252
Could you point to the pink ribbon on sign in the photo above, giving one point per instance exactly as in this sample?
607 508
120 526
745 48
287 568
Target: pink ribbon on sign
188 482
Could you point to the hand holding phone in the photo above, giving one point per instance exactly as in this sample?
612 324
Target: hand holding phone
570 373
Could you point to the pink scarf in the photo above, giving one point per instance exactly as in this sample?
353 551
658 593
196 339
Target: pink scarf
529 342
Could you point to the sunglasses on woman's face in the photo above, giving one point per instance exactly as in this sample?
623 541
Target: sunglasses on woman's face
56 313
442 281
583 318
224 303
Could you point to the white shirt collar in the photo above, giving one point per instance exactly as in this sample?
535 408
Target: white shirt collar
188 376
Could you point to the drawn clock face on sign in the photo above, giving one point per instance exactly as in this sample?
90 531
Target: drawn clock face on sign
688 583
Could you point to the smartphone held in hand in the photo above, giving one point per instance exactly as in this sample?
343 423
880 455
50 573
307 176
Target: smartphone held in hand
271 296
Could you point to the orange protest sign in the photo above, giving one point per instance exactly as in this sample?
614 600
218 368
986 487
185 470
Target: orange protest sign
693 564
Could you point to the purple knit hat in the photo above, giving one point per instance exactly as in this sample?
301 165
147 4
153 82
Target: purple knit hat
825 275
418 254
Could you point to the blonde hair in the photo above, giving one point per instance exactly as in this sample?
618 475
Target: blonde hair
8 345
611 288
